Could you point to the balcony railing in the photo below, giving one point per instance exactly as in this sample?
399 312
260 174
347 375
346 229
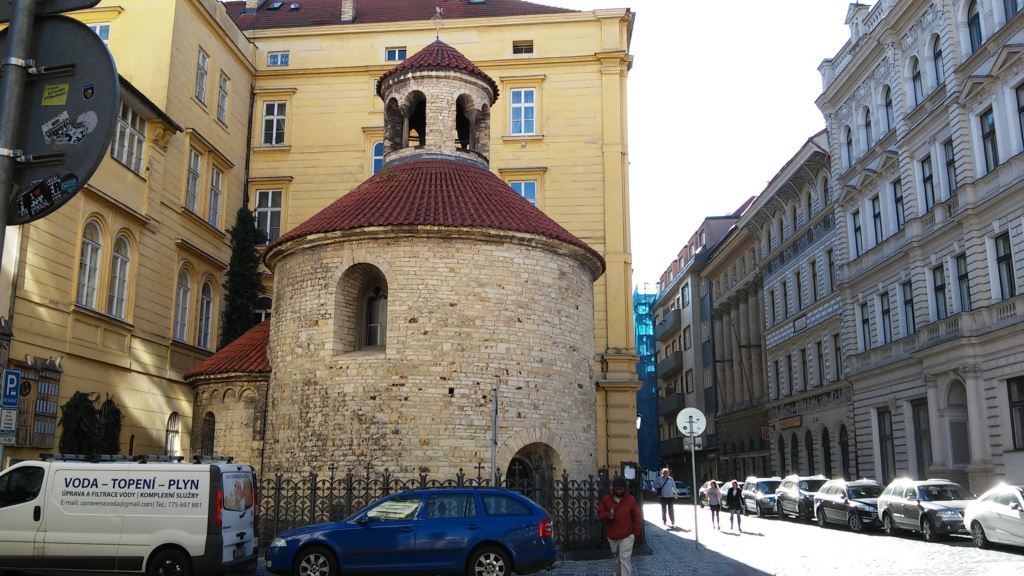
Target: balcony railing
671 404
668 327
671 366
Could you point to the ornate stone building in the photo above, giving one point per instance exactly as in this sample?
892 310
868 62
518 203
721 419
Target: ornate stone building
922 107
401 304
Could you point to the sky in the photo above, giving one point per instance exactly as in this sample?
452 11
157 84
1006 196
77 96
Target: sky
736 83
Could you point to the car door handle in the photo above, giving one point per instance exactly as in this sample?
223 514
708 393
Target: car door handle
473 527
406 528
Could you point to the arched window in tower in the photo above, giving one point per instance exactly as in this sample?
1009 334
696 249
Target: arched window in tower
465 119
416 111
482 131
376 314
394 127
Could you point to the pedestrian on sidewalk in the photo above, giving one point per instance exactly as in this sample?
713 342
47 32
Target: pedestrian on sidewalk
621 514
734 503
667 495
714 496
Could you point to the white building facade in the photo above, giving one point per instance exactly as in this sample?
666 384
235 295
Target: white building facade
924 110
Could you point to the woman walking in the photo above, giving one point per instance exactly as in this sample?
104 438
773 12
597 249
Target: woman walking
734 503
714 496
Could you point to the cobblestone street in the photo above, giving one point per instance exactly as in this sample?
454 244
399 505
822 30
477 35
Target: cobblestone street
768 546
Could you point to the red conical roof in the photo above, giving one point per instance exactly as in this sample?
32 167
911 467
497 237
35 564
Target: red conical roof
434 191
437 54
247 353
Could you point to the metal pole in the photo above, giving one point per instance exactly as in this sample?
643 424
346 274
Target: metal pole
494 431
693 465
14 70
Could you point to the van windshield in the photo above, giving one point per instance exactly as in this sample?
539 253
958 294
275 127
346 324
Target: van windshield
238 491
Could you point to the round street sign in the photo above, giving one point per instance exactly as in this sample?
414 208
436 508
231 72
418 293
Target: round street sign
70 111
691 422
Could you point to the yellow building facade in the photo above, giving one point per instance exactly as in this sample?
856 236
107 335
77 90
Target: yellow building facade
300 128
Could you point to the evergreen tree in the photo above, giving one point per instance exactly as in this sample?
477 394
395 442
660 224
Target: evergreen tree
242 286
79 424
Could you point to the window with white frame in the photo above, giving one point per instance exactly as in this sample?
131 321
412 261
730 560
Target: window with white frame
129 143
89 265
525 188
1020 108
195 168
890 111
222 98
909 325
264 306
963 283
927 183
988 139
869 139
205 315
522 46
216 180
686 295
275 59
687 338
523 111
865 327
172 436
117 292
102 30
885 311
268 213
1004 267
886 445
939 65
915 80
1015 389
183 293
849 146
688 379
830 260
898 207
974 26
858 234
876 218
274 118
951 179
396 54
939 292
202 69
378 156
1010 8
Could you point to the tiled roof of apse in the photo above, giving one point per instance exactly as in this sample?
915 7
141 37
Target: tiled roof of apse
328 12
247 353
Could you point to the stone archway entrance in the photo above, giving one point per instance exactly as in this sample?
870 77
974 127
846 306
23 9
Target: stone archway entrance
532 471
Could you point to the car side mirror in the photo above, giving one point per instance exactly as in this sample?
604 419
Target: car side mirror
1014 506
362 519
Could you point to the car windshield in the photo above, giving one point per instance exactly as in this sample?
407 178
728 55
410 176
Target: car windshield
768 485
943 492
857 492
811 485
399 508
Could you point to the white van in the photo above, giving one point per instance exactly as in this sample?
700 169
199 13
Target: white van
131 514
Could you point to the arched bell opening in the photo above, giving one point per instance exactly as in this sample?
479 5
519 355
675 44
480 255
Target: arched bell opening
481 131
394 126
416 107
465 118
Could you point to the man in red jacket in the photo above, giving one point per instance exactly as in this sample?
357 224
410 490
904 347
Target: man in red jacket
622 514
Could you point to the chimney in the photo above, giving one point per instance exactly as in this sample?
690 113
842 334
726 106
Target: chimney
348 11
252 5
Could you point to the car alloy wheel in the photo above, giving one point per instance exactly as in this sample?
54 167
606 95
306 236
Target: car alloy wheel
928 530
854 522
887 523
978 535
315 561
760 511
821 518
170 562
490 561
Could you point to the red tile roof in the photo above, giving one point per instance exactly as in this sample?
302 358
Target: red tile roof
328 12
432 191
437 54
248 353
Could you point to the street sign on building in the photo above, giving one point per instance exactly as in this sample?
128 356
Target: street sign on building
11 388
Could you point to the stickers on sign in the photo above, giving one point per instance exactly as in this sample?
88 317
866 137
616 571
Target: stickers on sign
88 90
56 128
55 94
61 130
46 194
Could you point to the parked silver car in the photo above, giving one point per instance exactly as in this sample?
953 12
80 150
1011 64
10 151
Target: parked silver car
997 516
933 507
759 495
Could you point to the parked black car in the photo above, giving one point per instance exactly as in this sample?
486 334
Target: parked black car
853 503
933 507
759 495
795 496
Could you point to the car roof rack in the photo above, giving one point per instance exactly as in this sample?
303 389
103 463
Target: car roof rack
199 459
96 458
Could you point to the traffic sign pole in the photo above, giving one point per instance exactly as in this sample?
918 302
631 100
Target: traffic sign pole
691 423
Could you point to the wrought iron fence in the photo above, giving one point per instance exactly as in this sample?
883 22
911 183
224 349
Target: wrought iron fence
287 502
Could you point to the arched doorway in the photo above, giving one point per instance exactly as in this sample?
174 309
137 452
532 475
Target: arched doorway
532 472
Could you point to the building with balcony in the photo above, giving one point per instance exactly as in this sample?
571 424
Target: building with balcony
922 108
683 335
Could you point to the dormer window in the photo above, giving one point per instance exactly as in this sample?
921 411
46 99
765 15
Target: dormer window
522 47
275 5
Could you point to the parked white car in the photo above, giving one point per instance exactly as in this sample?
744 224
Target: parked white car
997 517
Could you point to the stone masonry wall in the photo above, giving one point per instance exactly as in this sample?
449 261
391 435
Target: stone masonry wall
460 310
237 405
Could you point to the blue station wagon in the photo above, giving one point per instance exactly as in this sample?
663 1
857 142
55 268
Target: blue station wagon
473 531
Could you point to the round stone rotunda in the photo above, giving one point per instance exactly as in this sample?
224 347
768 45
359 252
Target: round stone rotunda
399 307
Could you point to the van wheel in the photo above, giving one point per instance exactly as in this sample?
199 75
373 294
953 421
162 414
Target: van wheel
170 563
489 561
315 561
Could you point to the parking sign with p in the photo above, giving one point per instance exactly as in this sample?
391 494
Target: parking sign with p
11 386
